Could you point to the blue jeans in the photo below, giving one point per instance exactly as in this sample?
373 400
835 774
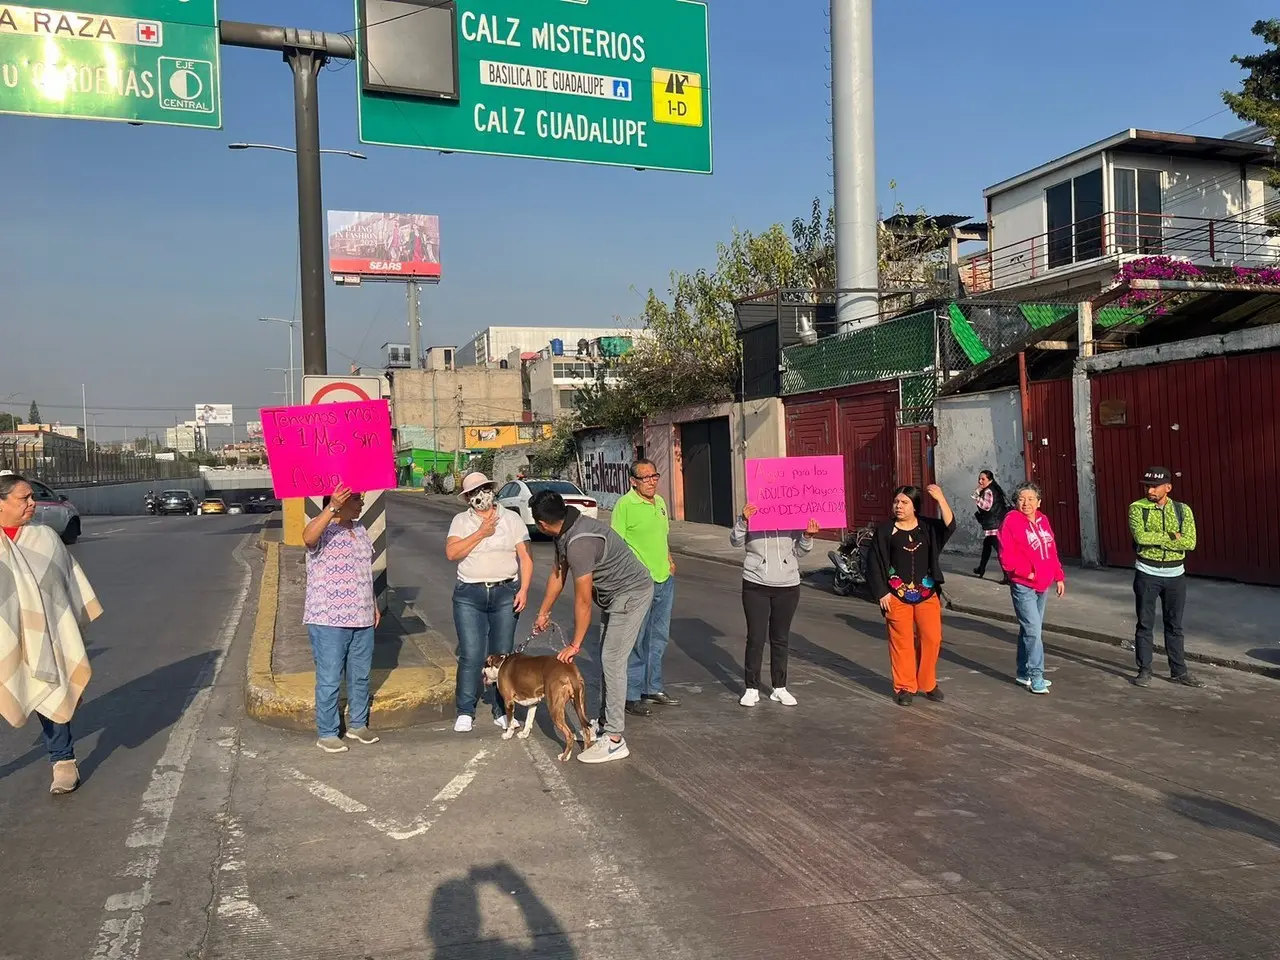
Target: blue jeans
57 740
644 667
1029 606
485 621
333 648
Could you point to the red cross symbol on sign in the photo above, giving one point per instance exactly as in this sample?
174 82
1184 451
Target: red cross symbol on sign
149 33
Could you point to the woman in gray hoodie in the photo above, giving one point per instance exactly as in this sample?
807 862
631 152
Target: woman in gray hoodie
770 595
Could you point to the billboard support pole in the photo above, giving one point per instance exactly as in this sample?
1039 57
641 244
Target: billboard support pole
306 66
415 326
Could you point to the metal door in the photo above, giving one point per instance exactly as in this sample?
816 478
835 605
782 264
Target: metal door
867 426
1052 434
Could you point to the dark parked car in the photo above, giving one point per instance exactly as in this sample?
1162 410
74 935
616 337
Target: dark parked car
176 501
261 504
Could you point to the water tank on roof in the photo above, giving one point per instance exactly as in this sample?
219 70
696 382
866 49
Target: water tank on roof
557 347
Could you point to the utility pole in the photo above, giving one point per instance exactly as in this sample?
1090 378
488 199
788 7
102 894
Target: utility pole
306 52
853 127
415 325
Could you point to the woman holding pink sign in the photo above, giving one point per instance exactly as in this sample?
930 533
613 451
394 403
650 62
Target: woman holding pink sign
770 596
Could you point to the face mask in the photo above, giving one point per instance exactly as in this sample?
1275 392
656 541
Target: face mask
482 500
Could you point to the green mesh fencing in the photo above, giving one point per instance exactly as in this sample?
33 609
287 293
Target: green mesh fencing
896 348
918 395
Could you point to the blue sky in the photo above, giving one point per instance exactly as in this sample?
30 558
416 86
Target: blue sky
136 259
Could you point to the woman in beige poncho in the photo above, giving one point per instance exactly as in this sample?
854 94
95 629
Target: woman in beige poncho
45 598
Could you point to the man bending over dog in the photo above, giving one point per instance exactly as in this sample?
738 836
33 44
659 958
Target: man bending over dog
602 567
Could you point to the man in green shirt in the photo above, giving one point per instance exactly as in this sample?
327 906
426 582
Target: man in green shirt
1164 532
641 519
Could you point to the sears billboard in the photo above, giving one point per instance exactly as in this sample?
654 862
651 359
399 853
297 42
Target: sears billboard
384 245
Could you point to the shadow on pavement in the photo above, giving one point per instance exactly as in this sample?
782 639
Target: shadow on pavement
1220 815
454 924
1265 654
804 649
128 716
707 652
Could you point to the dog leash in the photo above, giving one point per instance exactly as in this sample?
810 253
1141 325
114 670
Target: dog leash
529 639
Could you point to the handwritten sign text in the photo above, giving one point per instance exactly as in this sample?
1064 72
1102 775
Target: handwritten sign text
313 449
790 491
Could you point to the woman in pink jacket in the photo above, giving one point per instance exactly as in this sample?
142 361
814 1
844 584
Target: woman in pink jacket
1029 555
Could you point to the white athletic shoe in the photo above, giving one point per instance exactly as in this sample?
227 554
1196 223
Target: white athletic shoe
750 698
462 724
780 695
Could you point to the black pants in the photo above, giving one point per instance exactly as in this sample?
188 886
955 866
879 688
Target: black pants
989 543
769 612
1172 594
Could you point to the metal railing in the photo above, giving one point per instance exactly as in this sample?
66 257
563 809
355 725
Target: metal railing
53 463
1227 241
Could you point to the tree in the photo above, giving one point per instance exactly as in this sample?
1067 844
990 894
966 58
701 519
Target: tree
1258 100
33 415
8 422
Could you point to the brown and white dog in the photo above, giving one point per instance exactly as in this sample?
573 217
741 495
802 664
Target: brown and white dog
527 680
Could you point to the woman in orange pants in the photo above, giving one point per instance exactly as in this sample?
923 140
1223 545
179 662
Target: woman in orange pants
906 575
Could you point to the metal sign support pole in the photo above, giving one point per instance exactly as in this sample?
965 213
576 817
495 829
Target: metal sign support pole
306 52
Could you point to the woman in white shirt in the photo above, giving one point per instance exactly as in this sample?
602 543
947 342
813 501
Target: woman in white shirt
490 545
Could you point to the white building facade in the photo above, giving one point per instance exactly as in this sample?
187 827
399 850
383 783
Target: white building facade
492 345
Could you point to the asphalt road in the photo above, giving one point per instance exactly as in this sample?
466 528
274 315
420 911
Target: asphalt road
1100 821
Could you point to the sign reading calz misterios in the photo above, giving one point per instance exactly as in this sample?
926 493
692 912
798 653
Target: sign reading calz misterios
143 61
615 82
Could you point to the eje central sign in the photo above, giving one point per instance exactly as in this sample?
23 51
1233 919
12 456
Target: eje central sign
143 61
616 82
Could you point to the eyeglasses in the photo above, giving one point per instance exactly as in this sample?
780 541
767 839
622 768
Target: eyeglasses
647 477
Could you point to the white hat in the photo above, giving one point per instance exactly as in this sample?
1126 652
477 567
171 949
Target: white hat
474 481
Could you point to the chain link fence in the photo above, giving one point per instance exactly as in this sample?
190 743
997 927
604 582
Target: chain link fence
896 348
57 466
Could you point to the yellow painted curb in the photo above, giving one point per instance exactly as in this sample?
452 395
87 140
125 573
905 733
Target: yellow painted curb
402 697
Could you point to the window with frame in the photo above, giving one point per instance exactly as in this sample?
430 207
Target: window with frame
1074 215
1139 210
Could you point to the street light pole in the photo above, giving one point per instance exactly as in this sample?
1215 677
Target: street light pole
291 324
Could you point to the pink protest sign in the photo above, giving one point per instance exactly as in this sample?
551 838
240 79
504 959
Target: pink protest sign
313 449
789 491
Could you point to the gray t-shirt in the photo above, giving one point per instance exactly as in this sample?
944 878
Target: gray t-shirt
589 546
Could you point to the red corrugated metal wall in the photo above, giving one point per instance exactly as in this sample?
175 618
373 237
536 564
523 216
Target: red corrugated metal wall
858 423
1216 424
1053 460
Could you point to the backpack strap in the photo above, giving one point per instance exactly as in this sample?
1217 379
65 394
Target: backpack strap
1178 511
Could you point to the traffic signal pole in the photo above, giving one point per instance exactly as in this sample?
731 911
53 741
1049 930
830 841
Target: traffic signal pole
306 52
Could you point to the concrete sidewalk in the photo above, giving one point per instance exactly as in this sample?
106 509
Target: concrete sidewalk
1230 624
413 666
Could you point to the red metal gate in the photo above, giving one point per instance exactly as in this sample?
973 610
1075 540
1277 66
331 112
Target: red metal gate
1215 423
1051 431
858 423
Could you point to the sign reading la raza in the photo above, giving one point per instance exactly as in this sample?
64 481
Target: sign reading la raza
313 449
790 491
144 61
593 81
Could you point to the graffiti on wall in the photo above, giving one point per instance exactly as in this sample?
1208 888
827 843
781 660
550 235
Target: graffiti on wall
606 465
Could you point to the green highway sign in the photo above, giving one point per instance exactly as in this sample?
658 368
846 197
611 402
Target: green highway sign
143 61
616 82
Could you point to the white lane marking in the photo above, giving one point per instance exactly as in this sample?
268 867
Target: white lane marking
113 530
392 829
440 802
328 794
606 874
120 937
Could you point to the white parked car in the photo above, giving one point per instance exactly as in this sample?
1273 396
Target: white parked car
55 510
517 494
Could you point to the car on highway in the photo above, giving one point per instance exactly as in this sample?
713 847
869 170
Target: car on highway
261 503
211 505
176 501
53 509
516 495
235 508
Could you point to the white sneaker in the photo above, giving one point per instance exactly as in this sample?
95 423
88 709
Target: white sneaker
462 724
502 722
750 698
781 696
